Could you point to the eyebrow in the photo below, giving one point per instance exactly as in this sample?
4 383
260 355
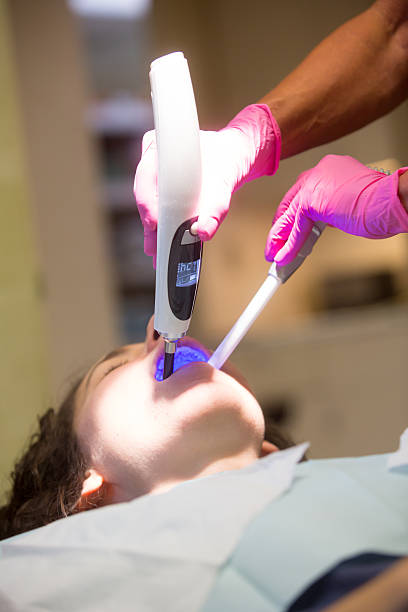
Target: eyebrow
111 355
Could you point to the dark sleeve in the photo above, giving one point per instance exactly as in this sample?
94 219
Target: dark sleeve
341 580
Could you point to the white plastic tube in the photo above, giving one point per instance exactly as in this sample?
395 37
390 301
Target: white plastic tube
247 318
276 276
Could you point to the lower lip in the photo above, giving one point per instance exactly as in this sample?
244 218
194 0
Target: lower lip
184 355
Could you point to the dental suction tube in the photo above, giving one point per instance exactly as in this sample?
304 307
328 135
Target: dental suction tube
179 183
276 276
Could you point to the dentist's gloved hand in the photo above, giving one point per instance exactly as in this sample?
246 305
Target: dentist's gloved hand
247 148
341 192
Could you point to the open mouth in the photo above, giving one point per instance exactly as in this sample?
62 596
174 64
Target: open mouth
184 355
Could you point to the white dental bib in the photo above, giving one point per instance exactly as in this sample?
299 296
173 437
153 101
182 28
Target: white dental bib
158 552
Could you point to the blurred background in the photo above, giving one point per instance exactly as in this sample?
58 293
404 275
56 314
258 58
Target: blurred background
327 359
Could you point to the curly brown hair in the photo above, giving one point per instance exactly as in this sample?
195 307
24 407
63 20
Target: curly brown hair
47 480
46 483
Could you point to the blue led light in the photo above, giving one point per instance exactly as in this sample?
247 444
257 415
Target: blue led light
183 356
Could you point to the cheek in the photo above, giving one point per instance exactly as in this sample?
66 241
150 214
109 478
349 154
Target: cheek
119 418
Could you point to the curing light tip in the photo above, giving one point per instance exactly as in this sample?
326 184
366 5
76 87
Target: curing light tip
169 351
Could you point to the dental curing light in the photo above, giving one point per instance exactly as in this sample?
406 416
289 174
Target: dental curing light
179 183
276 276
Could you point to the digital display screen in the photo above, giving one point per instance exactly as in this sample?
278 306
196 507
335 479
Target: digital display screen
187 273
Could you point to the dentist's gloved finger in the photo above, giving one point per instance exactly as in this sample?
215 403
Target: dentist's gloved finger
146 194
300 231
290 196
214 204
273 246
150 242
279 233
283 221
149 139
286 201
206 227
148 216
145 186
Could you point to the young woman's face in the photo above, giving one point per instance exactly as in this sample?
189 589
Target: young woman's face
142 434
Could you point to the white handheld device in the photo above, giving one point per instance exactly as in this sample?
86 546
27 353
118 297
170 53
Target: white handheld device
277 275
179 183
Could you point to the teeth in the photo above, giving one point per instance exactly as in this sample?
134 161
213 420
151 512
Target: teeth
184 355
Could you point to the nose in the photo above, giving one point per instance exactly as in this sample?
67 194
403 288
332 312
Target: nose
152 337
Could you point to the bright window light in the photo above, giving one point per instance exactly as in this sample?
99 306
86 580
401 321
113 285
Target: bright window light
134 9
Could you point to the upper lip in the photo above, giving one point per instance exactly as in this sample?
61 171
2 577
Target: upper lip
192 343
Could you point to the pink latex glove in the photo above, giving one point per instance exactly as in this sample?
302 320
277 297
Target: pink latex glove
341 192
247 148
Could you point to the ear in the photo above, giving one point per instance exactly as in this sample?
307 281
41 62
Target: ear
93 491
92 483
267 448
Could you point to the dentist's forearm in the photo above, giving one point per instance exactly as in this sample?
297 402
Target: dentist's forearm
357 74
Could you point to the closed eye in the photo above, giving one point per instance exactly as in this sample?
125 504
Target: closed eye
115 366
